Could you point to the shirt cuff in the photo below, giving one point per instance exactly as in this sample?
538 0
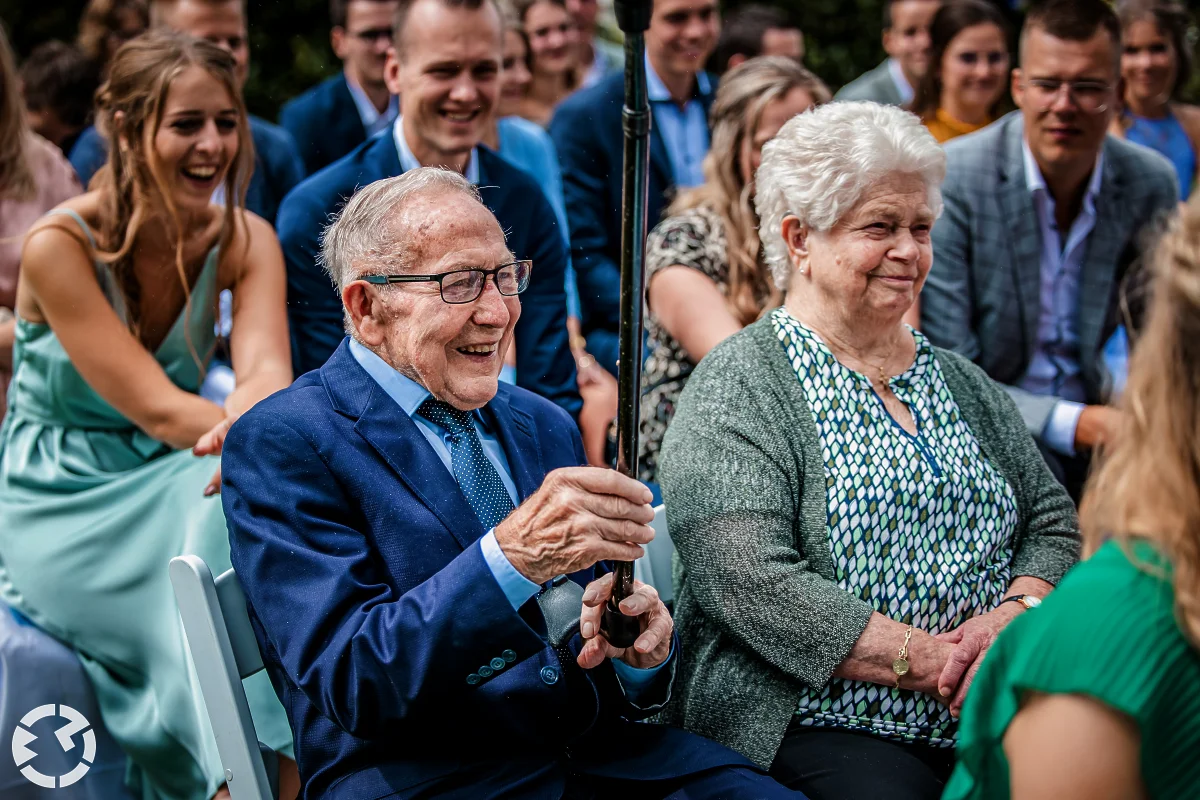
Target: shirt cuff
516 587
635 681
1059 433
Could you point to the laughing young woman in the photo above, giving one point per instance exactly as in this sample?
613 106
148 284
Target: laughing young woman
99 487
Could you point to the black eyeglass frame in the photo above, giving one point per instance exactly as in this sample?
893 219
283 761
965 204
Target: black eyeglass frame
522 285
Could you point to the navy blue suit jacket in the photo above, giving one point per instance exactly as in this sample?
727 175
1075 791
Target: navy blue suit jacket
544 361
372 604
587 133
277 167
324 122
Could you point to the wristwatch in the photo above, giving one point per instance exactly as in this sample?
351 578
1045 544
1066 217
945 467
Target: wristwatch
1027 600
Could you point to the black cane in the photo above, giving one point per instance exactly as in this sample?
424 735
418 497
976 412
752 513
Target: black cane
633 17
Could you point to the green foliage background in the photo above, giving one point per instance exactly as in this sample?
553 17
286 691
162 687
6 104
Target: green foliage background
290 40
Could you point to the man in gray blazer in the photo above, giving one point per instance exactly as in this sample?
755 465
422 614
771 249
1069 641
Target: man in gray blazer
1043 212
906 41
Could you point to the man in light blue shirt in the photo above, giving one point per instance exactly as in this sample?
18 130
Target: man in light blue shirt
683 126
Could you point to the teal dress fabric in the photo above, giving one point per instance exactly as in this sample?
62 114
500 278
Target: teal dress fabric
921 526
93 511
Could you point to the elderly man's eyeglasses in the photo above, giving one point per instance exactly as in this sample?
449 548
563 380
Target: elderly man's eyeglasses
465 285
1091 97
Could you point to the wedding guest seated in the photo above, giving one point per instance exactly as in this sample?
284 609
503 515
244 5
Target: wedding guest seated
967 81
755 30
395 516
339 114
705 276
553 52
587 134
597 56
277 166
34 178
1097 694
99 486
445 112
1156 65
906 42
58 84
1043 225
857 512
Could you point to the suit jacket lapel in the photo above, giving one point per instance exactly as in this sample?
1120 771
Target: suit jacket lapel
1025 240
1102 257
396 438
660 162
516 431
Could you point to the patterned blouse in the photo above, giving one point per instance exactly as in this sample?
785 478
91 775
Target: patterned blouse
694 239
920 526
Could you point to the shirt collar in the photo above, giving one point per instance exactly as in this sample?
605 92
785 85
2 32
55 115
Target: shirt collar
902 85
409 162
366 109
407 393
657 91
1034 180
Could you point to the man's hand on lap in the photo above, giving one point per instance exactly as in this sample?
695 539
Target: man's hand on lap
650 649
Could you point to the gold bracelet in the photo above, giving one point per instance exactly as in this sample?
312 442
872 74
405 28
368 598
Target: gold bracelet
900 665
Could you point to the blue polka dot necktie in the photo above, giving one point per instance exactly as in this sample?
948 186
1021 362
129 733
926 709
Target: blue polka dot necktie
474 471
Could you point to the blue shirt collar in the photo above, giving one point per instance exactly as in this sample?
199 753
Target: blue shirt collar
1035 181
657 91
407 393
901 82
409 162
366 109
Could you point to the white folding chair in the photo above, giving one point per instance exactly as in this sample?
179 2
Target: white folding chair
654 568
224 651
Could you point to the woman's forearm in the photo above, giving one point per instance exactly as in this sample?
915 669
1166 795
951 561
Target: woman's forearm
1029 585
261 384
879 645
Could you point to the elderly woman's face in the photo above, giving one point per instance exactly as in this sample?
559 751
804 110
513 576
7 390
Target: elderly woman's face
873 263
453 350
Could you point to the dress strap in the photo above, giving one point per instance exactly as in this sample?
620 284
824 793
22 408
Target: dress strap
67 212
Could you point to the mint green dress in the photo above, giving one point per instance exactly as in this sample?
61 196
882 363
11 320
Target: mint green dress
92 511
1109 632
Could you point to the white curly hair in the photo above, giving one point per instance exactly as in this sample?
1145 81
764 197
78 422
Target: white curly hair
823 161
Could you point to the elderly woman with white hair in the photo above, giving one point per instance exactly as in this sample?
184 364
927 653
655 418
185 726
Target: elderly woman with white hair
857 512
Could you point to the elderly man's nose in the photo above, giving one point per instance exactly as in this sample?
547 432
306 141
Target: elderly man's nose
490 308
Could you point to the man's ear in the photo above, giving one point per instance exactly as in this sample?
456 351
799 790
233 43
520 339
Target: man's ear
337 40
365 309
1015 87
391 71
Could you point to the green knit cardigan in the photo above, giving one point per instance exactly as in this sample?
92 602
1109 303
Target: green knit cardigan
757 607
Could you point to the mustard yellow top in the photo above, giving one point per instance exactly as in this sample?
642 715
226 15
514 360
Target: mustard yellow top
945 127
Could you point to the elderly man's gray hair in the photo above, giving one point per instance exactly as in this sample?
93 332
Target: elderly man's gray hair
367 232
823 161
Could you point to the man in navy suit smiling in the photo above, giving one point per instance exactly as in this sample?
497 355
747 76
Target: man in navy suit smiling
445 65
398 518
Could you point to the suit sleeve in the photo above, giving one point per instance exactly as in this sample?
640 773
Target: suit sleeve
586 185
545 364
314 308
364 654
295 122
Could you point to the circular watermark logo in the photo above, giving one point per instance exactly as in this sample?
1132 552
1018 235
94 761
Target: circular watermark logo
76 723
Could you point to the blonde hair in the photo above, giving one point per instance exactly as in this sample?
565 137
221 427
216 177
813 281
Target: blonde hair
1147 483
744 93
100 20
131 182
16 179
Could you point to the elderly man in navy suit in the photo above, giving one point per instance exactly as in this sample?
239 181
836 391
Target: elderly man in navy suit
445 65
339 114
399 519
587 133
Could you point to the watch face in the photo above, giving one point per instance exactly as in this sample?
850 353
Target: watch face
1030 601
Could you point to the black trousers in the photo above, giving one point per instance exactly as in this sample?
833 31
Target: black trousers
1071 472
723 783
827 764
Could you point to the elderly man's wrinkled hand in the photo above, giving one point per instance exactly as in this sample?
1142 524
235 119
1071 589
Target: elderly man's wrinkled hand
971 640
653 645
579 516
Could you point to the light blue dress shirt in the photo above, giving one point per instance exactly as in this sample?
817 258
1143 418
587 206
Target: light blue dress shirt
902 85
373 122
1055 368
408 394
684 130
408 161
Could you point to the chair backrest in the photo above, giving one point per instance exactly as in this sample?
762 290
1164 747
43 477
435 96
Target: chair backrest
654 568
224 651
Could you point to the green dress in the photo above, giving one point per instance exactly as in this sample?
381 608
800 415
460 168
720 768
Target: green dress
93 510
1109 632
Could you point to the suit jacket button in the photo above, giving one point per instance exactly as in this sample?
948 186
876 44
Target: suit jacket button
485 671
497 664
473 679
549 676
509 656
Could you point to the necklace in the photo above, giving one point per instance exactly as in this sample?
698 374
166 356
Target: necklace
883 379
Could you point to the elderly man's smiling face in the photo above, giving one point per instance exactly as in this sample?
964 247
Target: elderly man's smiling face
453 350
